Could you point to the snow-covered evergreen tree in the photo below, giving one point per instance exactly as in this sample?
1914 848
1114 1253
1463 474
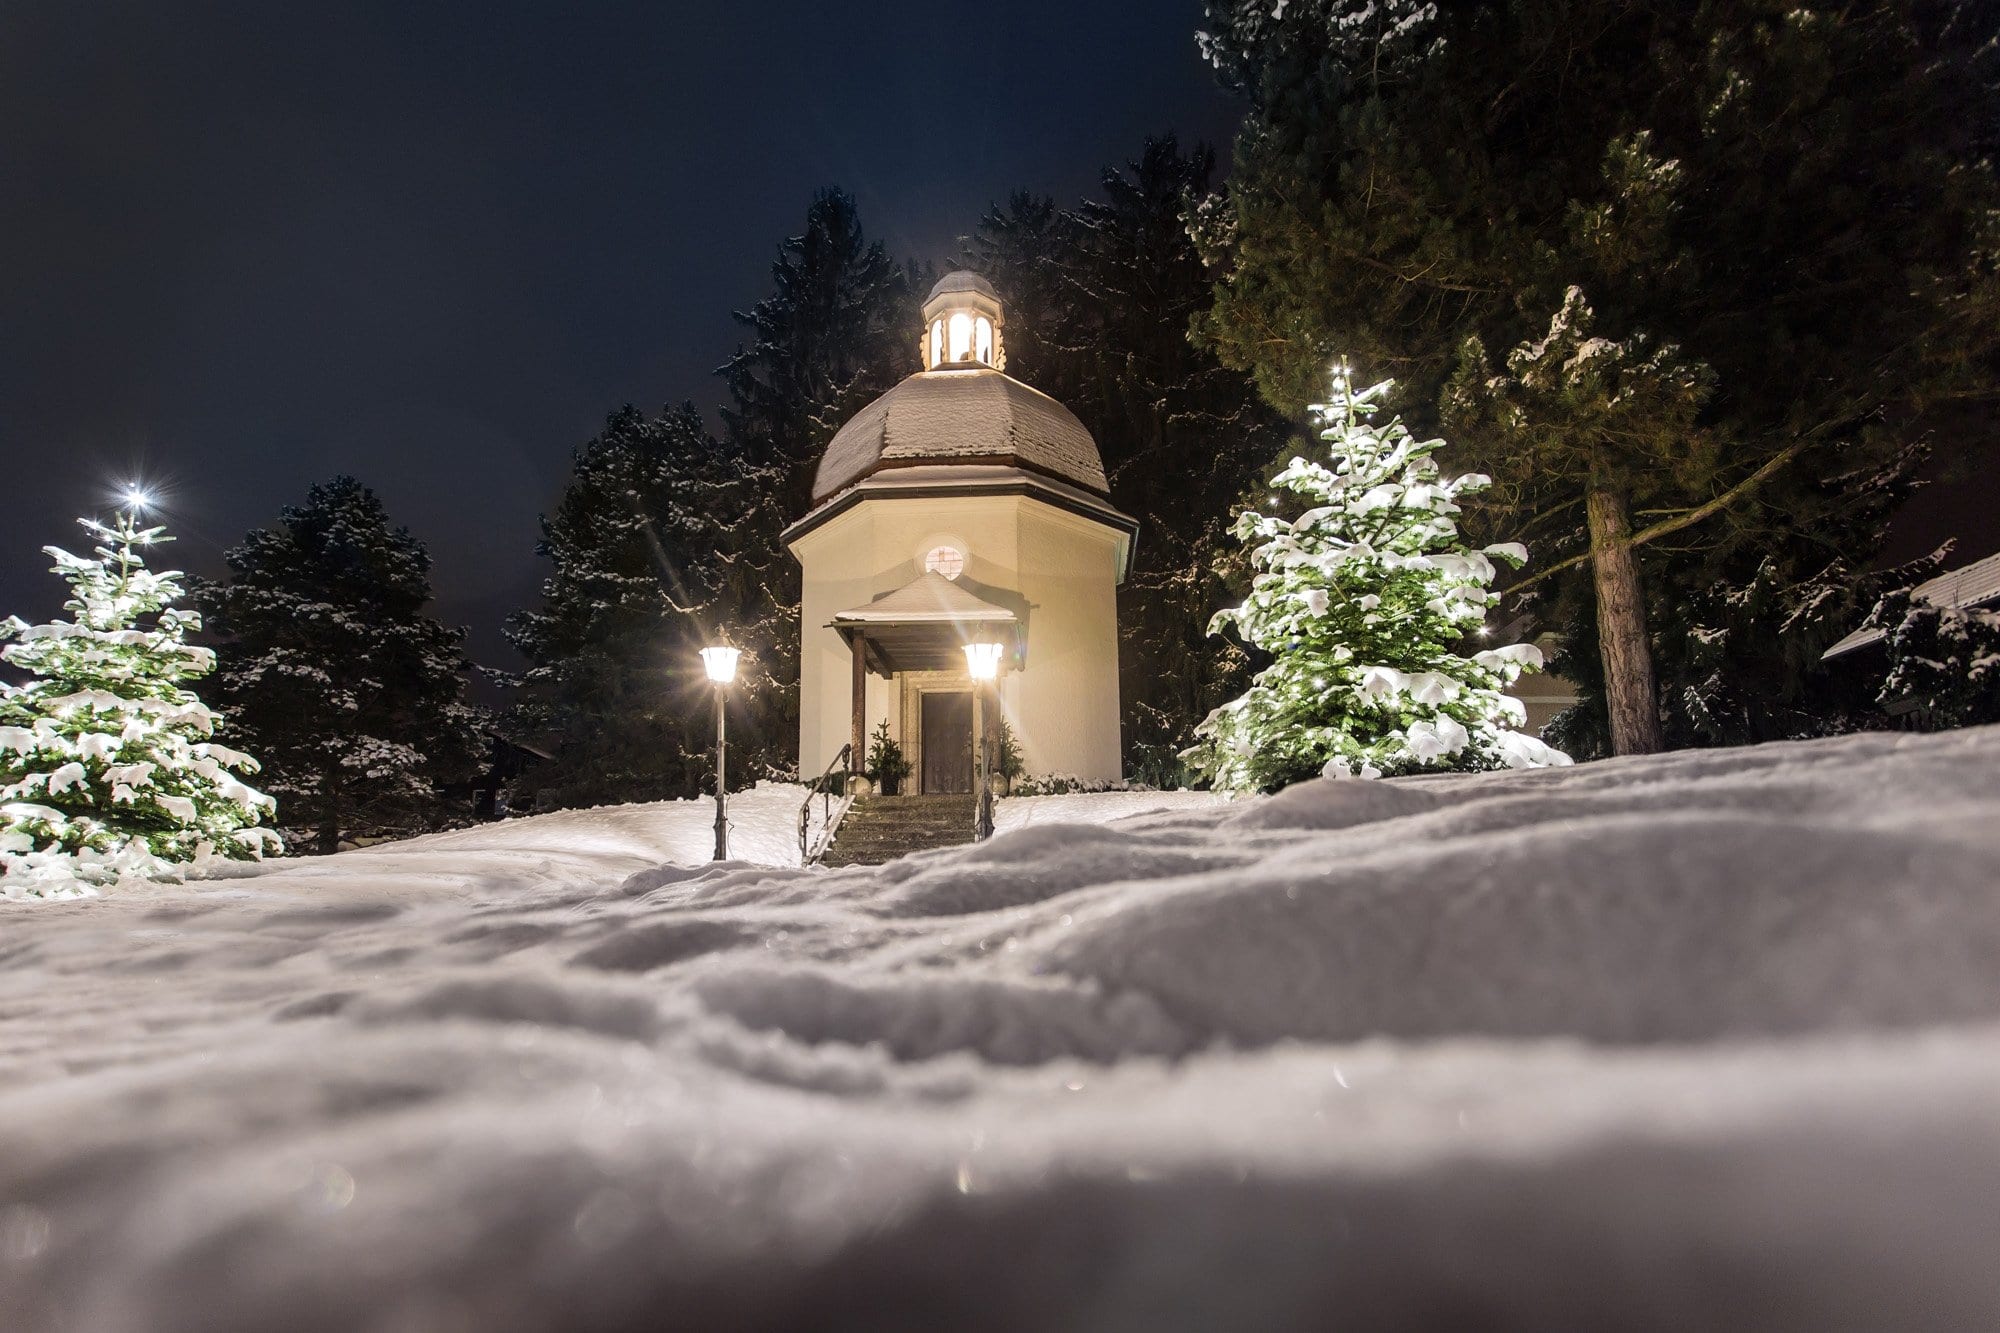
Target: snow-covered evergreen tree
108 762
1410 173
1944 661
1590 428
639 585
354 699
1099 297
1364 600
833 334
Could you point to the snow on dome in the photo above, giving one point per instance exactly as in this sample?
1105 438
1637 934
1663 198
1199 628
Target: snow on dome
962 407
961 416
961 281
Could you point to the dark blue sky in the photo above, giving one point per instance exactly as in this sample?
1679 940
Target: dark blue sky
246 247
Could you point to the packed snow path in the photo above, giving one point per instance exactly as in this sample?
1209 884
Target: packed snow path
1704 1041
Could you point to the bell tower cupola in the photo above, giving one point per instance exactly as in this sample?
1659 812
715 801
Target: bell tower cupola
962 323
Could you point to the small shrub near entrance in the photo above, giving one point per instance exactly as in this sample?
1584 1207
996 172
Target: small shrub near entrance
886 765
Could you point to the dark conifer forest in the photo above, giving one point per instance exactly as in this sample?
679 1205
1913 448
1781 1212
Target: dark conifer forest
1706 290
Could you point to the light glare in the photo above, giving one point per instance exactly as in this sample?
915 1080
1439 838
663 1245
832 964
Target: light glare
720 663
983 659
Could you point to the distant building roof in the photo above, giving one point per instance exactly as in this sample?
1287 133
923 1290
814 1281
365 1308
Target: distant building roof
1969 585
969 415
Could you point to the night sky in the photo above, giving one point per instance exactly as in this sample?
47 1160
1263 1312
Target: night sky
247 247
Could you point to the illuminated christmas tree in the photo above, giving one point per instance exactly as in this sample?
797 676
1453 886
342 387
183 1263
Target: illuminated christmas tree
1364 600
108 765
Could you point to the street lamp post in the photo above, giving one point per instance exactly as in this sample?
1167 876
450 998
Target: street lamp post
720 663
982 660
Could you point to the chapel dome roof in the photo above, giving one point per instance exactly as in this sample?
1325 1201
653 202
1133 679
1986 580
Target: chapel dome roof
965 415
961 281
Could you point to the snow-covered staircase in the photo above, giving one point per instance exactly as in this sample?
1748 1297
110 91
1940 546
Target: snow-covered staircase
882 828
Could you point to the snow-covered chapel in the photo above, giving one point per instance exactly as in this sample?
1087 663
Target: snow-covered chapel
961 506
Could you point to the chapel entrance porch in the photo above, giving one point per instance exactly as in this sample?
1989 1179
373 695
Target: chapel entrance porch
915 638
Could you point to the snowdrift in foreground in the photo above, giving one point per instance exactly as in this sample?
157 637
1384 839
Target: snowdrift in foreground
1709 1040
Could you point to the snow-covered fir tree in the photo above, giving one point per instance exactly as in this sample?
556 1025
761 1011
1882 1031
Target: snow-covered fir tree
1411 173
832 335
1099 298
353 698
1364 600
1943 661
641 579
108 762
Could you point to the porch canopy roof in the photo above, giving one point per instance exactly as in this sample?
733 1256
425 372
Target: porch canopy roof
924 626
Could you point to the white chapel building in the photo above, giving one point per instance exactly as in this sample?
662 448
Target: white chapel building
961 506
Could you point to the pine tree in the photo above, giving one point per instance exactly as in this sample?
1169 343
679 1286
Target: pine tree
354 698
1944 662
1617 423
1027 249
108 762
1099 299
834 333
1742 661
1363 600
643 580
1798 197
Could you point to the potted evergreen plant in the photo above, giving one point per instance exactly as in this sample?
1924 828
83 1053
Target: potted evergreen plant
886 764
1007 764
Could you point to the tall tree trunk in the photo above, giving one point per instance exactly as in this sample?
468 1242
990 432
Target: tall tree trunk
1630 693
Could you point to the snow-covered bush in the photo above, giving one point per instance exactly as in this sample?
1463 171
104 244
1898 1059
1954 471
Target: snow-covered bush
1364 600
108 764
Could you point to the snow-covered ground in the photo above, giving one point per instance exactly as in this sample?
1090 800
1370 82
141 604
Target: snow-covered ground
571 847
1017 812
1704 1041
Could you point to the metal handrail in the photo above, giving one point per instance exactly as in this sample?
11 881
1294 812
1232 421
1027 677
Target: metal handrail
820 788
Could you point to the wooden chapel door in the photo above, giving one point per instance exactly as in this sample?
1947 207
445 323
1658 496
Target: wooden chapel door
947 720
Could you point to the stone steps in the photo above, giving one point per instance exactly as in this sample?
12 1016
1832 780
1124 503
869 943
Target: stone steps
882 828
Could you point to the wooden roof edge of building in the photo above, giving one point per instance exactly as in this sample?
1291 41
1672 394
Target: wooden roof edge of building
1969 585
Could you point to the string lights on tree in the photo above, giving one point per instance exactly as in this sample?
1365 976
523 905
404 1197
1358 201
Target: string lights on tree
108 762
1364 600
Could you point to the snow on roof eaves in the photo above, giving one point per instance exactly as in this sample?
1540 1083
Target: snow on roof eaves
930 597
1969 585
926 481
973 414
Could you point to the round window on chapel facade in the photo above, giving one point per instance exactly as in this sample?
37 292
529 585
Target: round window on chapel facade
947 561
